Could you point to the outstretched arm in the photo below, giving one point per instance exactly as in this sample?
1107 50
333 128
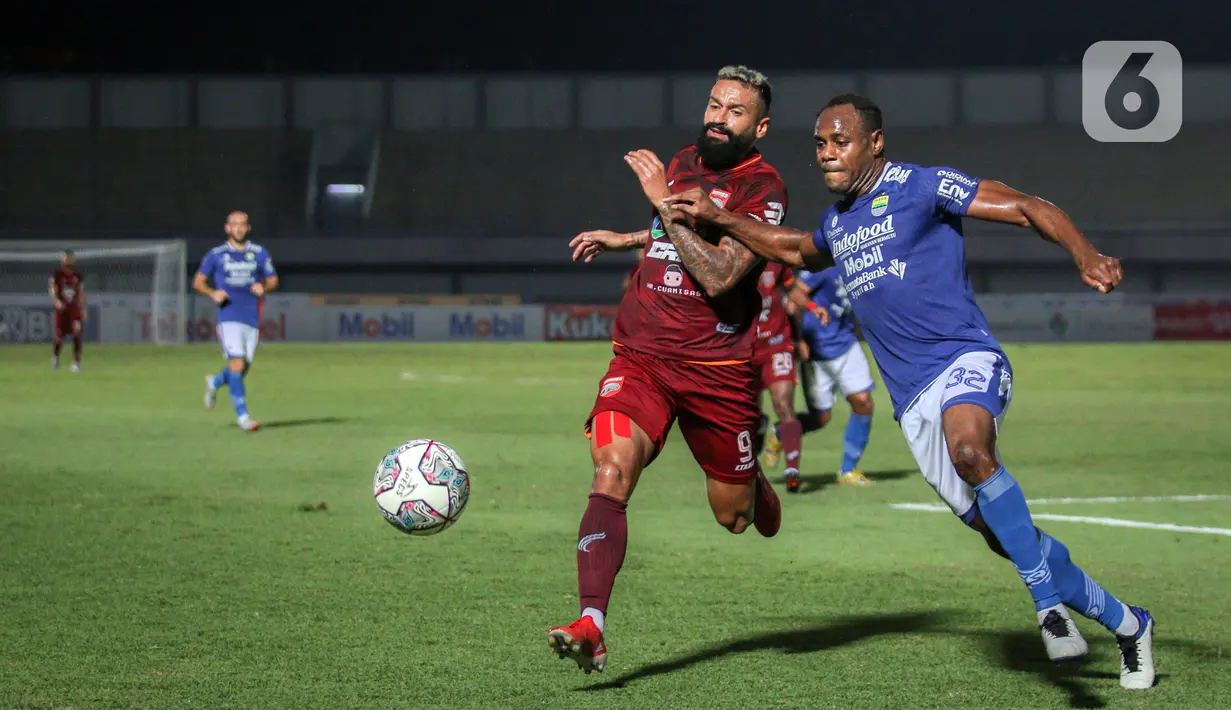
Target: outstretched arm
996 202
588 245
781 244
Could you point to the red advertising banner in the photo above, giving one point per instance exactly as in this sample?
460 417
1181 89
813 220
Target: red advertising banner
578 322
1202 320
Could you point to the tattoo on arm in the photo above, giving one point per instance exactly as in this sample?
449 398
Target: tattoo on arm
716 268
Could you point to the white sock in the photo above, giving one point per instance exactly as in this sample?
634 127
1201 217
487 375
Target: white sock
1129 626
598 617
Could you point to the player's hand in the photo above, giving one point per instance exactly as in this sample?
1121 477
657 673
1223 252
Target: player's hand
258 289
695 204
85 314
58 304
218 296
652 174
1101 273
588 245
822 314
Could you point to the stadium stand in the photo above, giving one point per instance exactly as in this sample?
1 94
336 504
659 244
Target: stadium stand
151 178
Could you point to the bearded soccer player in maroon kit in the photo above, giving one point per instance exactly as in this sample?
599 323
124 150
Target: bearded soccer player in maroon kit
683 342
68 299
774 357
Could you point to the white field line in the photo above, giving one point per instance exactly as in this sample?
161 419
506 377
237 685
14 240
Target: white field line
1130 499
1111 522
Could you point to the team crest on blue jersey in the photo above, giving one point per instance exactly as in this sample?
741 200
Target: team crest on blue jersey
879 205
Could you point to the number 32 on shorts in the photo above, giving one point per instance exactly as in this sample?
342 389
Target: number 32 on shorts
962 380
783 364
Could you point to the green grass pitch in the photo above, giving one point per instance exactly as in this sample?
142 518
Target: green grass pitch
155 556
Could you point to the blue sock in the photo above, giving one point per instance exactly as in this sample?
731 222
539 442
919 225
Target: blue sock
1080 593
238 394
1003 506
855 440
222 378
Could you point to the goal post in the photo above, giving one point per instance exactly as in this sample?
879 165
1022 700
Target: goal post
157 270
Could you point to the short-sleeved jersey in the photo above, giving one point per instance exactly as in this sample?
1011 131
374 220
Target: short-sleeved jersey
834 339
235 271
665 313
900 252
66 283
773 325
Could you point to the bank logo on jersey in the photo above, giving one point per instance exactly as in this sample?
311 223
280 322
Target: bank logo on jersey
897 267
879 205
897 174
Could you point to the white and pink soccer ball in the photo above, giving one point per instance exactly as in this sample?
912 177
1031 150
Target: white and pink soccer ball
422 487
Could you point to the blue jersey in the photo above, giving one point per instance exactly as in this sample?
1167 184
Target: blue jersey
900 253
827 342
235 271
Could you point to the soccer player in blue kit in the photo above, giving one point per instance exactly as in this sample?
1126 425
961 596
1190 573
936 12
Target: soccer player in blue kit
242 273
896 235
832 359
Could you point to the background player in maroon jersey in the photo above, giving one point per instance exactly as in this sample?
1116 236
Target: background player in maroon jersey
68 299
775 359
684 336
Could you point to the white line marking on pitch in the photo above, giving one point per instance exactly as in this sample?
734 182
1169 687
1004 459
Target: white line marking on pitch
1130 499
1112 522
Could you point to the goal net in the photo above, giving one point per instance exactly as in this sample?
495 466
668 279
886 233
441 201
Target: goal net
150 277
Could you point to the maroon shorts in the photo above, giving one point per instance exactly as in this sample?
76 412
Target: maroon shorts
717 406
67 322
775 365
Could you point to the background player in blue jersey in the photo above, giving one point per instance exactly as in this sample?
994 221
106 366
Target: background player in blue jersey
241 273
896 235
832 359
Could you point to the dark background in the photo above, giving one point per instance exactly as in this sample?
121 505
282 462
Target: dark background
461 36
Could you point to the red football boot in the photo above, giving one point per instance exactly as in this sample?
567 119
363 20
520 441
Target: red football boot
768 513
582 642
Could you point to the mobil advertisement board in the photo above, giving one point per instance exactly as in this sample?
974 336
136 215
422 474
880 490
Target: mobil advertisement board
431 323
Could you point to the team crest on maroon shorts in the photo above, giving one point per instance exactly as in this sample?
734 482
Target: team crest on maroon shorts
611 385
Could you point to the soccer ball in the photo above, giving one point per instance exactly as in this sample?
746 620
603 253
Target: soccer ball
422 487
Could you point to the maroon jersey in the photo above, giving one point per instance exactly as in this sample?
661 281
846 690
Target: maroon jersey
664 312
67 286
774 326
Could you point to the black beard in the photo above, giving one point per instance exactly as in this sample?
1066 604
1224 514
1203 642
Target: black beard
719 154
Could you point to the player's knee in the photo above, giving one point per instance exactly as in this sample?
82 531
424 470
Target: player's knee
973 462
861 404
237 365
613 477
822 418
735 522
